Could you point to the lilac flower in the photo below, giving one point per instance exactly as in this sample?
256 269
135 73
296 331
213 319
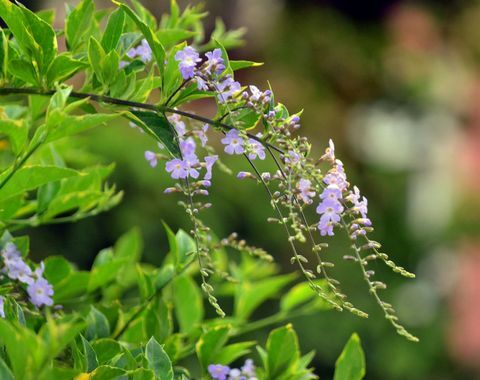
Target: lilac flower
306 193
19 270
293 158
132 53
256 149
187 61
332 192
202 134
330 211
258 95
144 51
209 161
214 62
177 168
122 64
329 152
187 147
218 371
40 292
10 253
248 368
151 158
201 83
243 175
233 142
2 311
227 89
178 124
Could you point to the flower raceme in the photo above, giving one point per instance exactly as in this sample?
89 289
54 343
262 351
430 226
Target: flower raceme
39 290
299 182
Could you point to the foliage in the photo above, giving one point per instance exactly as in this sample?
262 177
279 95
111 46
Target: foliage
125 318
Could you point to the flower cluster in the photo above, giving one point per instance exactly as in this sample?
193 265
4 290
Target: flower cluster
39 290
222 372
142 51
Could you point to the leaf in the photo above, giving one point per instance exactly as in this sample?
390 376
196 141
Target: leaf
113 30
91 360
157 49
15 130
106 349
188 302
31 177
238 65
106 372
232 352
186 247
97 325
350 365
250 295
170 37
23 70
245 119
301 294
282 350
5 373
211 344
96 57
158 360
158 127
63 67
78 24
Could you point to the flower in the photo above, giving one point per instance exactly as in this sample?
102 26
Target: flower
243 175
304 186
293 158
214 62
227 88
248 368
256 149
2 311
332 192
330 211
187 147
40 292
209 161
177 168
151 158
202 134
132 53
233 142
144 51
218 371
178 124
187 59
329 152
16 268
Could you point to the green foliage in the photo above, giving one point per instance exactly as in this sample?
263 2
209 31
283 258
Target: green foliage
351 363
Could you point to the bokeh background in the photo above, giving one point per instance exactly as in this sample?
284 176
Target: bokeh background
396 84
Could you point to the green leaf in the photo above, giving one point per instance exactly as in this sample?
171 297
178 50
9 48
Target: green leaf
106 349
106 372
301 294
350 365
250 295
186 247
23 70
142 374
173 77
96 57
97 325
238 65
15 130
31 177
79 23
158 127
113 30
282 350
91 360
245 119
63 67
5 373
233 351
190 313
158 360
170 37
211 343
157 49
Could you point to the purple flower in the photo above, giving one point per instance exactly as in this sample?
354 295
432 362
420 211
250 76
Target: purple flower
40 292
214 62
2 311
227 88
329 152
202 134
256 149
187 61
187 147
201 83
233 142
332 192
248 368
132 53
330 211
177 168
218 371
151 158
293 158
209 161
144 51
19 270
122 64
178 124
306 193
243 175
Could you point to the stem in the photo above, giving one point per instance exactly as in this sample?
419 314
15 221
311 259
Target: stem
127 103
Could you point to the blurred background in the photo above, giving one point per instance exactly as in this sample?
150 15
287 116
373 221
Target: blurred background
396 84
